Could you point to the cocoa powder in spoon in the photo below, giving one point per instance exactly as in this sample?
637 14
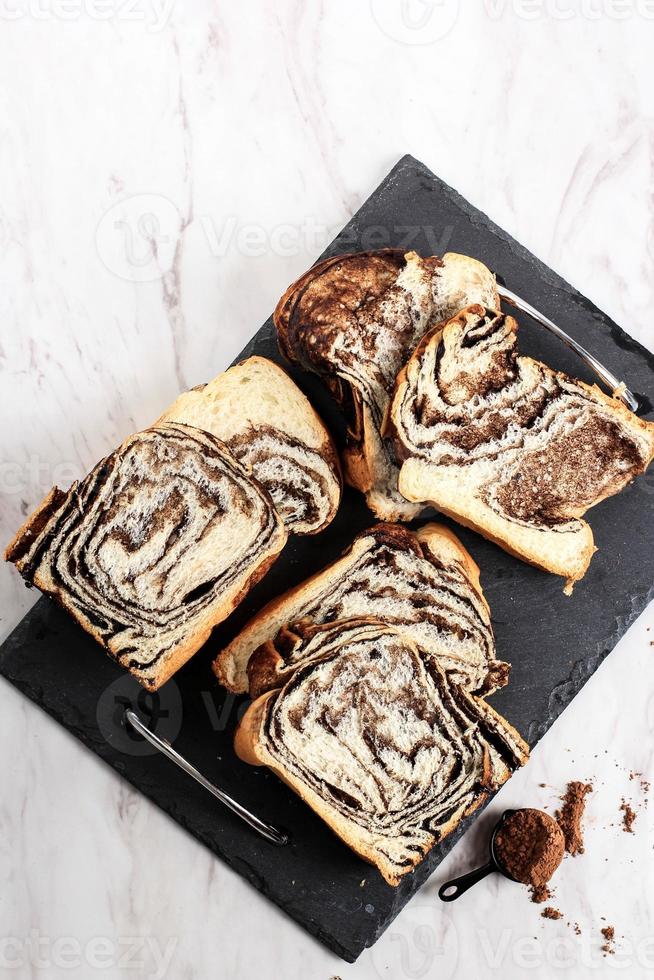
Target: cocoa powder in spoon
530 847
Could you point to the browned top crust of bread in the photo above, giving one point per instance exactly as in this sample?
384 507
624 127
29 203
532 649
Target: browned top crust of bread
529 446
354 319
424 583
379 742
328 319
154 547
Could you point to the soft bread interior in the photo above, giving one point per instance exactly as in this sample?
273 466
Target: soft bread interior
506 445
425 584
154 547
253 393
388 751
566 551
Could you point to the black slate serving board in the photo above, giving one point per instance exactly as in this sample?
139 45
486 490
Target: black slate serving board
554 643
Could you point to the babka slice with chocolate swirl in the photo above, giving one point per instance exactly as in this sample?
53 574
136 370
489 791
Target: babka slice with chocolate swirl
354 319
426 584
270 425
154 547
379 742
508 446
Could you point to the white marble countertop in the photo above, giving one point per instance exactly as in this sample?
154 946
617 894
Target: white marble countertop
165 170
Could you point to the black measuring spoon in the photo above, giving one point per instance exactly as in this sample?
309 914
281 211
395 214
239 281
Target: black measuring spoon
451 890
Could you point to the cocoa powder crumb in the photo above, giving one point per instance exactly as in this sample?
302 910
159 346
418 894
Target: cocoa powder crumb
551 913
609 935
628 817
570 815
529 846
540 893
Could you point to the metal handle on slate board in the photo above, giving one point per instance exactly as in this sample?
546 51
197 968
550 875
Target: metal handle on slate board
614 384
265 829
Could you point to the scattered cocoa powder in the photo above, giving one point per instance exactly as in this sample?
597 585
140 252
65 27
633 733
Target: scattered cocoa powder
570 814
540 893
577 929
628 817
530 846
551 913
609 935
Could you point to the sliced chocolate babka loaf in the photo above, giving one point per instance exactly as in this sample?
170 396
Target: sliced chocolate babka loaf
426 584
387 749
354 319
154 547
270 426
508 446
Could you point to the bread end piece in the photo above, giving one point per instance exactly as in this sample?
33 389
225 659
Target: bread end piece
271 427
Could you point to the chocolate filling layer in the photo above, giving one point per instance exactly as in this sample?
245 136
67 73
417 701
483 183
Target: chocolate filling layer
298 478
394 579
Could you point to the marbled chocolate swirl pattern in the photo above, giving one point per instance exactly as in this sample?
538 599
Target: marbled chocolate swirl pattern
270 425
419 583
381 744
299 479
508 445
354 319
154 546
